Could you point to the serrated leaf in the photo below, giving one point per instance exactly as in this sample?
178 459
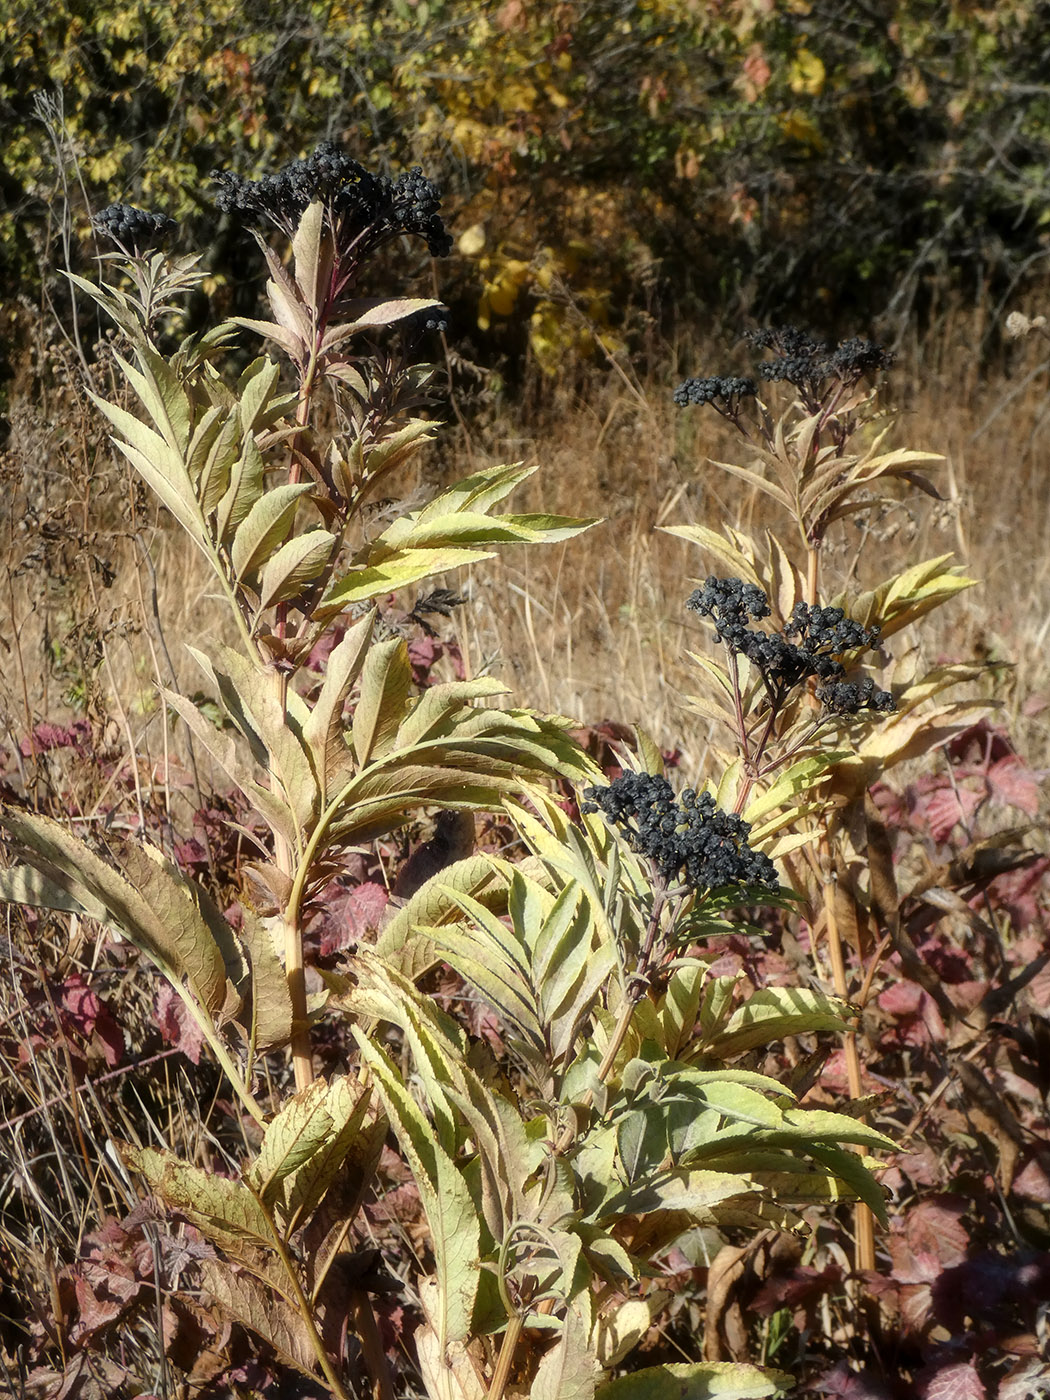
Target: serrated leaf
701 1380
738 563
22 884
217 1206
301 1128
796 778
248 1301
386 681
439 702
454 1228
251 701
216 472
266 525
247 484
775 1012
255 390
203 441
351 1150
297 563
403 947
162 396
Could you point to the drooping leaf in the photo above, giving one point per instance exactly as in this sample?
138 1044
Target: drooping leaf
296 563
267 524
269 1003
450 1213
771 1014
155 906
248 1301
386 680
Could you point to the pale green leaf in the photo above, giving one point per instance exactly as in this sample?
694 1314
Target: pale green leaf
772 1013
569 1370
696 1192
698 1380
312 271
289 341
454 1228
162 396
302 1127
297 563
367 580
256 390
247 484
324 731
386 681
438 702
216 1205
269 1006
403 947
796 778
350 1152
266 525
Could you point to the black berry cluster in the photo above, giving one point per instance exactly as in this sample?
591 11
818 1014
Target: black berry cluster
132 229
849 698
811 364
823 635
690 839
729 603
725 393
363 209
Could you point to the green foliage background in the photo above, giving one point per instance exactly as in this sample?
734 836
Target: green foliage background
768 156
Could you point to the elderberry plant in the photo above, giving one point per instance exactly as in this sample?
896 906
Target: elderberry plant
809 738
687 839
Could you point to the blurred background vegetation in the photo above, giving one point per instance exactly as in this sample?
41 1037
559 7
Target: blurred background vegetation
606 163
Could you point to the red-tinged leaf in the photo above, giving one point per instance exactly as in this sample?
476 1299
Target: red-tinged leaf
1033 1181
1024 895
176 1024
957 1381
92 1018
841 1383
935 1226
993 1290
946 808
349 914
1014 784
799 1290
